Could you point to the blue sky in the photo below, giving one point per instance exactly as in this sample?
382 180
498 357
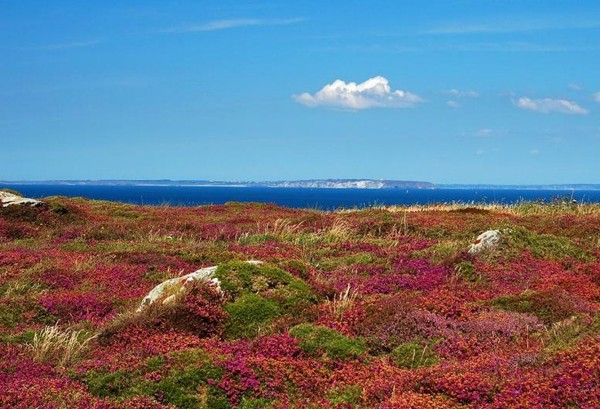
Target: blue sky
486 91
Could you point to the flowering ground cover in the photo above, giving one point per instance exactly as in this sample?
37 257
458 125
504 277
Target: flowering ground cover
380 307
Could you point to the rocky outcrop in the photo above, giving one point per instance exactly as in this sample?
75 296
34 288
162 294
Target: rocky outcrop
9 199
485 241
178 284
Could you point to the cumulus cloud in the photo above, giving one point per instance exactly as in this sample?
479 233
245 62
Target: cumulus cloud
373 93
549 105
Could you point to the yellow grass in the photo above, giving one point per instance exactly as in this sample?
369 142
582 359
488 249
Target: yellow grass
61 347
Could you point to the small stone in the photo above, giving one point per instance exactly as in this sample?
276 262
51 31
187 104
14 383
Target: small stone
485 241
204 274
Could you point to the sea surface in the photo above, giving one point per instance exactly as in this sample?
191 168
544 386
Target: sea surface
325 199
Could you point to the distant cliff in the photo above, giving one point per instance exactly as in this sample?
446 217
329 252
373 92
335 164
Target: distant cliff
310 183
352 183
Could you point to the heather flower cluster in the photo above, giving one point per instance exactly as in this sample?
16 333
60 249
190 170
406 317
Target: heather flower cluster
372 308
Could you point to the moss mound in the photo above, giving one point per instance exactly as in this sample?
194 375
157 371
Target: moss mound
316 340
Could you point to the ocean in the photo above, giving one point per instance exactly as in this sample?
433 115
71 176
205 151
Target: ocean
324 199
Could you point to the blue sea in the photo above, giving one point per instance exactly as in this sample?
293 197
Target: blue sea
325 199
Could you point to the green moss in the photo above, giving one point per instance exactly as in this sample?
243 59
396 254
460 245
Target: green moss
184 385
248 314
156 362
548 306
466 271
22 338
349 396
240 278
317 340
413 355
544 246
109 384
258 403
333 263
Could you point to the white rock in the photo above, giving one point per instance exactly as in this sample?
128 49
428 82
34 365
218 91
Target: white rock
7 199
204 274
485 241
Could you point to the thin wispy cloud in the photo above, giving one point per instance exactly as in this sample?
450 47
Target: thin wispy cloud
488 132
509 27
216 25
597 97
549 105
372 93
76 44
463 93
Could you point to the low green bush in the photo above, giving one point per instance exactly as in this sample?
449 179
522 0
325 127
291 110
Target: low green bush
413 355
317 340
543 246
240 278
248 314
548 306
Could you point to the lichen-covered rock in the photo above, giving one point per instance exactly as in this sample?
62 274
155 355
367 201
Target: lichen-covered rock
485 241
178 284
8 199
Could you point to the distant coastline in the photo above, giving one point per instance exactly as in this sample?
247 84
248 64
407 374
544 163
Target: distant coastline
309 183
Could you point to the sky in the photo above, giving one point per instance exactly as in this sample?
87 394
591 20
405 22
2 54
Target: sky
445 91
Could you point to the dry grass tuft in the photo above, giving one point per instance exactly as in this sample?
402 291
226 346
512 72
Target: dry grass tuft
60 347
342 302
340 230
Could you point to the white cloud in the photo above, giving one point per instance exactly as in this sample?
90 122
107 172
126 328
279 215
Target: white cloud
534 152
597 97
453 104
511 26
373 93
232 23
548 105
78 44
463 94
488 132
484 132
575 87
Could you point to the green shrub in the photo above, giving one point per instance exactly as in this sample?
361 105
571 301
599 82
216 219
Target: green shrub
257 403
248 314
413 355
549 306
544 246
185 385
466 271
240 278
349 396
109 384
317 340
332 263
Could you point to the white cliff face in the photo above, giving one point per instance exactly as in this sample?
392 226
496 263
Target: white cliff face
180 284
332 184
9 199
485 241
